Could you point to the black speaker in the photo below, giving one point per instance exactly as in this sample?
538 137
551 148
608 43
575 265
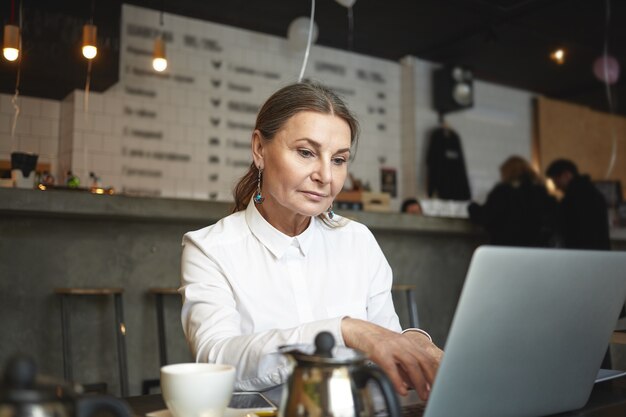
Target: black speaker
453 89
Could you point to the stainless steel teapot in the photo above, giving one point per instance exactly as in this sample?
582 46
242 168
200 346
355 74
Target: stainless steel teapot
323 385
24 394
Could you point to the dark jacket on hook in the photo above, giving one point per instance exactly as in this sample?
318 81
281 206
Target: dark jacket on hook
447 176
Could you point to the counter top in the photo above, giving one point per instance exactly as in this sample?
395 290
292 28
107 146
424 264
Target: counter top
82 204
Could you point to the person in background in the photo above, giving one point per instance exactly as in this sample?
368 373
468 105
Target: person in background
411 206
583 221
283 266
519 211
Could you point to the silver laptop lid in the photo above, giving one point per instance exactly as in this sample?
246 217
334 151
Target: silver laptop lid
529 332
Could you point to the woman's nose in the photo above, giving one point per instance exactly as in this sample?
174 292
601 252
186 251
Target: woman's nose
323 173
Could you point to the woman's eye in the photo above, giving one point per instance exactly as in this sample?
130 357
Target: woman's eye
305 153
339 161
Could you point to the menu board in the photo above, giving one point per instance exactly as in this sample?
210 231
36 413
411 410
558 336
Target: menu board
185 133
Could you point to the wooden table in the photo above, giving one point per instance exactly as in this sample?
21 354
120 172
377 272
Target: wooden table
608 399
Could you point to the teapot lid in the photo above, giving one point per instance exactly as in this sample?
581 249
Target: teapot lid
21 384
324 352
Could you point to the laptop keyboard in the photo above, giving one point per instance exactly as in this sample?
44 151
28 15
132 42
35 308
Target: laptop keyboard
408 410
410 405
413 410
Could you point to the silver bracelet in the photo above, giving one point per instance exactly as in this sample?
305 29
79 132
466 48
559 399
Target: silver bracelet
415 329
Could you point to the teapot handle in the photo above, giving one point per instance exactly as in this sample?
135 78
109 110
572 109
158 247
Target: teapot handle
88 406
365 373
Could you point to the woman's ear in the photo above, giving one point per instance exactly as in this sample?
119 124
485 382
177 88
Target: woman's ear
257 149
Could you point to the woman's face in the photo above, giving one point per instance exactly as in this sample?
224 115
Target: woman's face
304 166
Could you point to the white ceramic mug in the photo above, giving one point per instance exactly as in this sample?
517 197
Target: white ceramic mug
197 389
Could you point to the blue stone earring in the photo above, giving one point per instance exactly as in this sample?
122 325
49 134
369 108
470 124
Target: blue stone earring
258 198
330 212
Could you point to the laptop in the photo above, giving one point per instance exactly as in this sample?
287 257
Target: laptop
529 333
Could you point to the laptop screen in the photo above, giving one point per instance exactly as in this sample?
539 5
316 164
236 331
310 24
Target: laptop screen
529 332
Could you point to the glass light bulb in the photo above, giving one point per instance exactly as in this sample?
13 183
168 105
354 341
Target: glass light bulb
11 54
159 64
11 42
558 56
90 51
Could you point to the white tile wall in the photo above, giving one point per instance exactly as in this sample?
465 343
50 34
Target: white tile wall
5 123
6 146
37 128
187 110
113 140
5 104
30 107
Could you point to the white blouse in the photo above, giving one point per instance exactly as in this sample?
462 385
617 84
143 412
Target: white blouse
248 288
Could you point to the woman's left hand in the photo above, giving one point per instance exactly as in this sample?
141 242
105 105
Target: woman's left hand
409 359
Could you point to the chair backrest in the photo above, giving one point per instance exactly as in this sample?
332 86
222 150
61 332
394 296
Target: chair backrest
408 291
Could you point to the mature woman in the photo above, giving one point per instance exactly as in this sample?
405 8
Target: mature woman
284 267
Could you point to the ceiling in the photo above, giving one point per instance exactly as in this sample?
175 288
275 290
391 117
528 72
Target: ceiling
504 41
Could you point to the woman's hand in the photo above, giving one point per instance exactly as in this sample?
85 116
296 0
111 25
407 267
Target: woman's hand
408 359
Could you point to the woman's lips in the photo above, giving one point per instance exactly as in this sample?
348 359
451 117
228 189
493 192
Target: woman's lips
315 195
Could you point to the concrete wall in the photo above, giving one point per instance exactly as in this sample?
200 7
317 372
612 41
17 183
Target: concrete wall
38 254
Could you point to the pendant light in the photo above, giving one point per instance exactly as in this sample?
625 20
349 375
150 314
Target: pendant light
159 60
90 36
90 50
11 40
11 43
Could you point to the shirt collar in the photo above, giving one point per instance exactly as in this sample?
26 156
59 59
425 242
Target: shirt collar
274 240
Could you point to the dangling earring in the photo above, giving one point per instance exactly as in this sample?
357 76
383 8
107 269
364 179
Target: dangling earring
330 212
258 198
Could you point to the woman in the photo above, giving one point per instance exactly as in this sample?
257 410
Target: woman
518 211
284 267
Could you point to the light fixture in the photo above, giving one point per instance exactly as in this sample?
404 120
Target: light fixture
159 61
558 56
11 43
452 89
90 50
462 91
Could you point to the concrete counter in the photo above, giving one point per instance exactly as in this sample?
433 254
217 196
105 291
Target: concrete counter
51 239
81 205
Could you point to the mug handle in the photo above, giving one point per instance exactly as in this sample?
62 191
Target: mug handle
88 406
365 373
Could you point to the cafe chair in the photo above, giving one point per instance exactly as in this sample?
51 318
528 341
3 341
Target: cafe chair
65 295
148 384
409 293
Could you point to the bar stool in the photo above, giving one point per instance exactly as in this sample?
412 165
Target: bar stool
120 329
408 290
159 293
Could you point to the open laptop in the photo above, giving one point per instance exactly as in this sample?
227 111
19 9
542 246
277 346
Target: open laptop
529 332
